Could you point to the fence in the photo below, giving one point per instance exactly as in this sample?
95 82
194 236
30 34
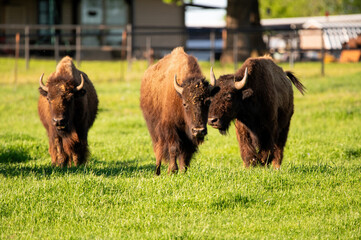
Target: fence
149 42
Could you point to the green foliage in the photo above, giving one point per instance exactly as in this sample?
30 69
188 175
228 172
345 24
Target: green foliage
178 2
306 8
316 194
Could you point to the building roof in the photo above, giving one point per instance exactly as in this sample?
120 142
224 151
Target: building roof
299 21
336 29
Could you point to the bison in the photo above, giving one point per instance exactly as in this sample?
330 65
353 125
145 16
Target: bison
175 98
259 97
67 107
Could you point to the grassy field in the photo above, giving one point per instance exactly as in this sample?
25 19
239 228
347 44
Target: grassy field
316 194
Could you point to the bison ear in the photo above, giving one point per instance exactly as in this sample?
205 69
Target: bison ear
80 93
42 92
247 93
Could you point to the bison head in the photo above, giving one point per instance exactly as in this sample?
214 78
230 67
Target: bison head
195 94
61 94
227 102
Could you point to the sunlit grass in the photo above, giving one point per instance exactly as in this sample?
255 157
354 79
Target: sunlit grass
316 194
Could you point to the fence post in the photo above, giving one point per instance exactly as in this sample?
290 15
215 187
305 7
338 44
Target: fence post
212 38
235 51
129 46
56 48
17 46
27 48
322 55
78 45
291 60
148 50
292 38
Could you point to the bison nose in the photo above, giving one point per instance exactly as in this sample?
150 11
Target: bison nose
213 121
59 122
199 132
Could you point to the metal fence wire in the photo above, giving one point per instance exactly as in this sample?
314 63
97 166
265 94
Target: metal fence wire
129 42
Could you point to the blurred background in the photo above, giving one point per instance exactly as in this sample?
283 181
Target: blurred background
226 30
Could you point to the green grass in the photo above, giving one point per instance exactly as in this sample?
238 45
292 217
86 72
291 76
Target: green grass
316 194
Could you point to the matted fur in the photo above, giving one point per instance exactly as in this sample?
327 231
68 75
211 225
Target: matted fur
262 109
169 123
79 108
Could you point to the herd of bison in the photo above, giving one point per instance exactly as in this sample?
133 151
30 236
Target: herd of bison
177 104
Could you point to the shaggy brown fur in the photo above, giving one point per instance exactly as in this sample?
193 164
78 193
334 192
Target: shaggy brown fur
67 114
176 122
262 109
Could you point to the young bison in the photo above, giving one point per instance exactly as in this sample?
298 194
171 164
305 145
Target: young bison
67 108
175 98
260 97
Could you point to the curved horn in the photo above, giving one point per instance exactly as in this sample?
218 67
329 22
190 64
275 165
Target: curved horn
178 88
78 88
45 88
213 78
239 85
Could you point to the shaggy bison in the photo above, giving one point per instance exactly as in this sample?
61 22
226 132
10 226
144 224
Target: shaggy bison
260 97
67 108
175 98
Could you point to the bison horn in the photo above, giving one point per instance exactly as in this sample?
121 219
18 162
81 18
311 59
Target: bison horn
78 88
239 85
213 78
178 88
45 88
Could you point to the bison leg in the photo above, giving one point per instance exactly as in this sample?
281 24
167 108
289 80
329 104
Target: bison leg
248 152
281 143
81 152
53 151
278 158
173 167
61 158
184 161
158 151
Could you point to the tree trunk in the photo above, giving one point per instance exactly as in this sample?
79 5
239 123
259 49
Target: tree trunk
242 15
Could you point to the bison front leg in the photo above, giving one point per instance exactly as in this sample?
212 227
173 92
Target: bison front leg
76 149
53 151
184 160
61 159
173 167
248 152
158 151
80 153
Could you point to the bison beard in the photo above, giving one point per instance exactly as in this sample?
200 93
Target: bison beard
175 100
67 108
260 98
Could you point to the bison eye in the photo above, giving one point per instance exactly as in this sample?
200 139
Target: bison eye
228 97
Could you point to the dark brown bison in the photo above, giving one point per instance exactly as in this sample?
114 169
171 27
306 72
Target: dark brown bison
260 98
67 108
175 98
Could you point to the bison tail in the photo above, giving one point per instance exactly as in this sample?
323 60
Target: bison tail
296 82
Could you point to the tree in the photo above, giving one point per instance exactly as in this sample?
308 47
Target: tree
243 19
241 15
306 8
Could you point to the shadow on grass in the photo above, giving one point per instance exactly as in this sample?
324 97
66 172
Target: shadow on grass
230 201
129 168
353 153
323 168
12 155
